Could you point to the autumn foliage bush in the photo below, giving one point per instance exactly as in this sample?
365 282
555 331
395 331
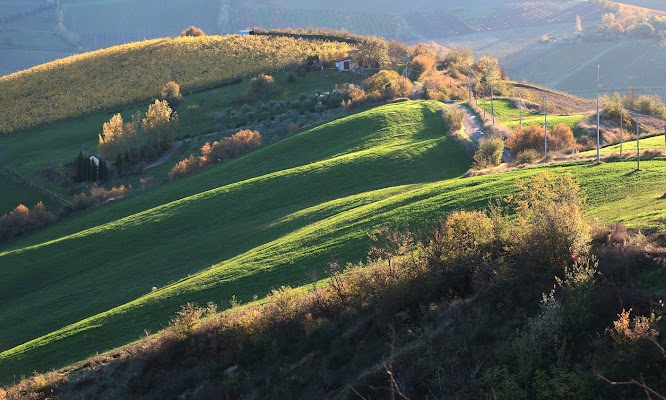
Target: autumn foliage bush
22 220
389 83
219 151
422 66
99 195
442 87
532 137
489 153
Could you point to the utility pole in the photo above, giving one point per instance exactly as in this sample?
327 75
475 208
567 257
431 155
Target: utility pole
621 135
492 102
470 84
545 126
520 109
598 84
638 142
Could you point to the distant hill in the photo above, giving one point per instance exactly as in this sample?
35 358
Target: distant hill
93 81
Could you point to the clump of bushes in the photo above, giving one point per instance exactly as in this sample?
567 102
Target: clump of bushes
261 87
193 31
422 66
532 137
650 105
171 93
219 151
454 117
22 220
99 195
442 87
389 84
489 153
527 156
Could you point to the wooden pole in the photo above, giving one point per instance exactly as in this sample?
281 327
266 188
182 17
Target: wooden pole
638 143
545 126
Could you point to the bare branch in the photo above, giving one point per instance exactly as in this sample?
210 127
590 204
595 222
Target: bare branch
633 382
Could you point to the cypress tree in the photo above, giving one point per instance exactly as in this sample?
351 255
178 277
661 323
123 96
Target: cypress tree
103 171
119 164
81 171
92 171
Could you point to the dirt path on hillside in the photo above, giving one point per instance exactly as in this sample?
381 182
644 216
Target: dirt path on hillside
474 130
174 147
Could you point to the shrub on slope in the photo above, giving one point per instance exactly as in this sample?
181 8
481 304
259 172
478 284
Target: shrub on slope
88 82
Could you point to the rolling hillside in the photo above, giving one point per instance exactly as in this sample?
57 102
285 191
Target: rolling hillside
249 219
259 222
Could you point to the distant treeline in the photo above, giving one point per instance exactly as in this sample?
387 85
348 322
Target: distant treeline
313 34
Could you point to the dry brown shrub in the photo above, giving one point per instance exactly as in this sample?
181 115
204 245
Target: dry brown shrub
421 66
532 137
443 87
99 195
653 153
560 138
41 386
221 150
294 127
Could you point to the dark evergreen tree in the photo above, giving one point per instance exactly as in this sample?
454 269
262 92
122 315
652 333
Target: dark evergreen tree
79 168
119 165
103 171
92 171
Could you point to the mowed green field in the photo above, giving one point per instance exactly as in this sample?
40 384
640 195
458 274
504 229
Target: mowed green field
509 115
14 194
629 145
248 219
258 222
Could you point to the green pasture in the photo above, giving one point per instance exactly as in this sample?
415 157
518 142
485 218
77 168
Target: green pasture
509 115
13 194
258 222
211 218
629 145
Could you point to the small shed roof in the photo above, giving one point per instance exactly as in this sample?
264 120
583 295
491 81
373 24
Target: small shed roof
343 59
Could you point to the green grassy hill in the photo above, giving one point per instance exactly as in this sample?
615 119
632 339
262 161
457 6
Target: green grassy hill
14 194
629 145
251 219
257 223
508 114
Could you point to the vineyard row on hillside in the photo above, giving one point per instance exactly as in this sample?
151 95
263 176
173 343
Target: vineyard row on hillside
103 79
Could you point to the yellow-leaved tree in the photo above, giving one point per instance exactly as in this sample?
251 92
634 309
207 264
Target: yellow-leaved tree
119 138
159 125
